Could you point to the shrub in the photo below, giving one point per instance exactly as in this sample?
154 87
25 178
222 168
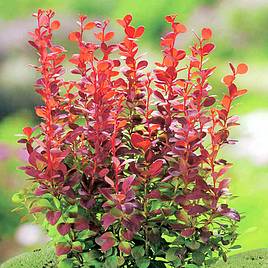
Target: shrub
125 164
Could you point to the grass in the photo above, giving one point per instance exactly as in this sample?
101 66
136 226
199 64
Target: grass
252 259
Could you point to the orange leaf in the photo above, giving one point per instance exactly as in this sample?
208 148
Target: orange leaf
109 36
180 28
241 92
206 33
228 80
226 101
90 25
122 123
242 68
103 65
40 112
74 36
99 36
55 25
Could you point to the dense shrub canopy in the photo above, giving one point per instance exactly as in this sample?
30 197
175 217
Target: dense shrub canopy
125 164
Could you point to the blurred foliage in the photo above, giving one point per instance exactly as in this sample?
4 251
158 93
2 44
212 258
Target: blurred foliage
252 25
8 221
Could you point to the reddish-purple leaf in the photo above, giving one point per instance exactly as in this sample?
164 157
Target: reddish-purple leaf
155 168
127 183
64 228
209 101
53 217
106 241
107 220
187 232
62 249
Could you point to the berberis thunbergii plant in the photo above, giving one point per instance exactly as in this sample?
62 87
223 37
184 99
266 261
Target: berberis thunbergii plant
125 165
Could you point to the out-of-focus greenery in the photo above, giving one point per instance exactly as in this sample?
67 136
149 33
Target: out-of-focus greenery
240 34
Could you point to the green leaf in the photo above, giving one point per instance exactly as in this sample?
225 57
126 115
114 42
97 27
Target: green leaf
17 198
191 266
120 260
116 212
142 263
43 203
67 263
193 245
138 252
198 257
110 262
236 247
171 254
57 202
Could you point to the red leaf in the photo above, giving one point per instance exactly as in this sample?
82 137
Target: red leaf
228 212
53 217
155 168
109 36
124 247
139 32
28 131
107 220
194 210
209 101
128 19
116 161
159 95
206 33
170 18
62 249
81 224
55 25
139 142
89 25
242 68
187 232
232 67
74 36
232 90
180 55
207 48
106 241
224 183
130 31
103 172
127 183
64 228
142 64
109 181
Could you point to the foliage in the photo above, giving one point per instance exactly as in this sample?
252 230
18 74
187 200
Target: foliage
125 164
254 258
